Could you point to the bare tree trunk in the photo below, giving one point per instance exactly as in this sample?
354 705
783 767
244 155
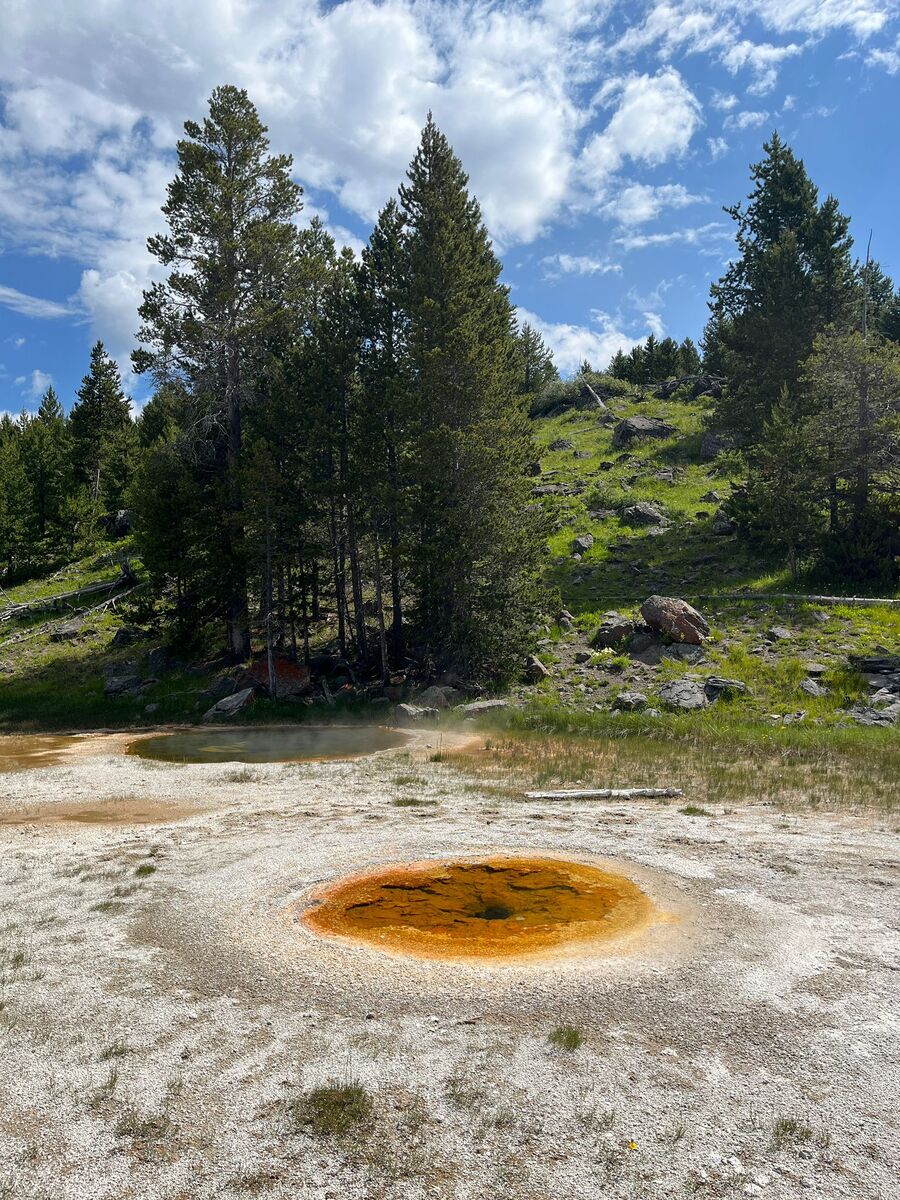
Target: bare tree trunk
238 611
337 554
396 604
356 584
379 606
292 614
270 654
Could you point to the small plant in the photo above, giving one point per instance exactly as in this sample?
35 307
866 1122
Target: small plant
565 1037
695 810
145 869
790 1131
333 1109
411 802
407 780
241 775
116 1049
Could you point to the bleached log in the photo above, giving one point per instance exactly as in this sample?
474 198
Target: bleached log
650 793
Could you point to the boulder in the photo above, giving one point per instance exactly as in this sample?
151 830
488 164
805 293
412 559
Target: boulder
722 524
414 714
535 671
533 468
127 635
633 428
439 696
613 630
582 657
815 669
643 513
676 618
562 444
877 716
477 707
230 706
711 497
812 688
719 685
630 701
68 631
122 685
778 633
582 454
684 694
582 543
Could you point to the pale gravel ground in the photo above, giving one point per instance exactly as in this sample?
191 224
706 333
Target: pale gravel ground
774 993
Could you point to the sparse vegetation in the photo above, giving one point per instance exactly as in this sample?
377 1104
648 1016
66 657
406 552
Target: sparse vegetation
336 1109
565 1037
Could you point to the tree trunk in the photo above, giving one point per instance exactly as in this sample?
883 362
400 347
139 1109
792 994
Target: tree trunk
379 606
238 609
356 584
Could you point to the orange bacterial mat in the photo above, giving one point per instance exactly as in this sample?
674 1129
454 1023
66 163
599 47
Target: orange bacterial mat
488 908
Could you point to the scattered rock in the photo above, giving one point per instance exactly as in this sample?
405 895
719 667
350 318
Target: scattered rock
676 618
685 694
582 543
715 443
159 660
630 701
562 444
535 671
68 631
477 707
230 706
811 688
613 630
127 635
583 656
414 714
711 497
533 468
778 633
684 652
718 685
816 669
643 513
722 524
641 427
588 398
122 685
582 454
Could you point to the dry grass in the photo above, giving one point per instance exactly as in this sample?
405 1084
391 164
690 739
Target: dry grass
712 776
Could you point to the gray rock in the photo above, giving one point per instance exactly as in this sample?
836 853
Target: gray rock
684 694
630 701
535 671
722 524
816 669
612 631
676 618
159 660
582 455
150 709
230 706
778 633
643 513
633 428
414 714
883 698
583 656
710 497
562 444
811 688
718 685
877 716
684 652
714 443
122 685
478 707
127 635
582 543
67 632
533 468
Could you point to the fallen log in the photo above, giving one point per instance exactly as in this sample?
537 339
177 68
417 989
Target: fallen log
651 793
69 600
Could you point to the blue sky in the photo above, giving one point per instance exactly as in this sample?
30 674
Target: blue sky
601 138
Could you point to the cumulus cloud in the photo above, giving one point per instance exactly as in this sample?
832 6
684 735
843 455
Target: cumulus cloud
572 344
578 264
762 58
34 385
698 235
641 202
745 120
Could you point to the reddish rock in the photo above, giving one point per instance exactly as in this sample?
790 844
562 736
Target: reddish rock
676 618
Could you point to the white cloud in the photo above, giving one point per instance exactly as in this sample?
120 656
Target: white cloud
746 120
31 306
700 235
654 120
717 147
889 59
579 264
572 344
861 17
34 385
640 202
761 58
725 101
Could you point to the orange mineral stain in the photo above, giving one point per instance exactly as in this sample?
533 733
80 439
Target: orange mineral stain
488 908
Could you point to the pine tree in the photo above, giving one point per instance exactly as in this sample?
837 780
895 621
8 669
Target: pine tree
15 516
688 358
102 434
474 562
666 364
535 362
45 447
384 373
618 366
231 249
791 277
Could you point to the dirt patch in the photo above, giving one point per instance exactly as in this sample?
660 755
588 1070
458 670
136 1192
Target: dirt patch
126 810
28 751
496 908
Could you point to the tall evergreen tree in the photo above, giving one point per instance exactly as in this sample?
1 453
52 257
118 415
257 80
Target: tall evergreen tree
791 277
102 433
45 447
474 563
535 362
231 250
